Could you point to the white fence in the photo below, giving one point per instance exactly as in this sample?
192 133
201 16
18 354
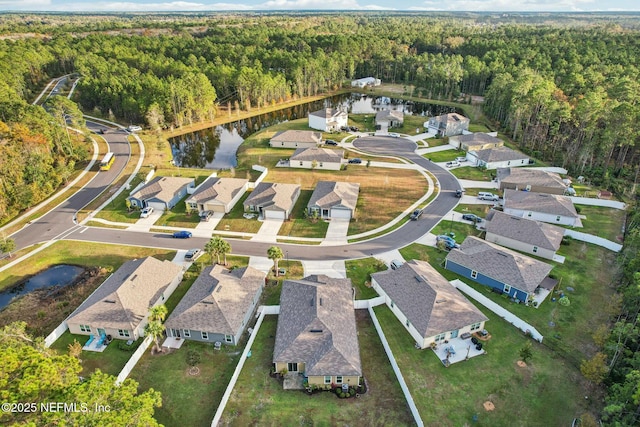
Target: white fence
262 176
505 314
57 333
368 303
598 202
590 238
134 359
269 309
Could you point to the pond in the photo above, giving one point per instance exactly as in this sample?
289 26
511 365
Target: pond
216 147
59 275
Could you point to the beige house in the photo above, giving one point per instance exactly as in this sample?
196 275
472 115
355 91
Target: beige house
499 157
428 306
316 332
389 118
272 200
527 179
120 306
317 158
475 141
331 199
162 192
296 139
217 194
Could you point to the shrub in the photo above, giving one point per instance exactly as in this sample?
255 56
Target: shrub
122 345
193 357
564 301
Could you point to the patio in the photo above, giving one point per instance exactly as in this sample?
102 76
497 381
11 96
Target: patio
456 350
98 344
172 342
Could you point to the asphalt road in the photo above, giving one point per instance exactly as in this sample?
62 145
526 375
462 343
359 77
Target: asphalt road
59 221
408 233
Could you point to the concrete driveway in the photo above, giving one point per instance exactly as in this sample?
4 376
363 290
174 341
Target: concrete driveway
387 257
268 231
337 231
261 263
144 224
206 227
335 269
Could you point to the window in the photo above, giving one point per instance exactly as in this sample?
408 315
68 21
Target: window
528 213
205 335
292 367
193 206
558 218
474 274
228 338
282 143
408 323
320 164
339 379
327 379
507 289
535 249
85 328
186 333
300 163
454 334
528 188
440 337
509 162
123 333
391 304
475 326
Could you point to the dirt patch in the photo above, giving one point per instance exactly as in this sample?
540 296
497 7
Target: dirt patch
521 364
193 371
488 406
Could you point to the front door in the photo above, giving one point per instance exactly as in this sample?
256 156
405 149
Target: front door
175 333
454 334
101 332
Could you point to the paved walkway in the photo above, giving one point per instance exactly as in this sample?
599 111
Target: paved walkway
387 257
268 231
423 151
337 232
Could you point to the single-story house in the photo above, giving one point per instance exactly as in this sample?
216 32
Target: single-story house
365 81
162 192
475 141
296 139
428 306
272 200
316 333
499 157
317 158
527 179
120 306
448 124
550 208
332 199
328 119
218 306
506 271
389 118
524 235
217 194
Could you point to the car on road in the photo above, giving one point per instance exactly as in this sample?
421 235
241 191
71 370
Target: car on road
458 193
471 217
356 161
416 214
192 254
330 142
146 212
395 264
394 135
449 243
488 196
452 164
206 215
182 234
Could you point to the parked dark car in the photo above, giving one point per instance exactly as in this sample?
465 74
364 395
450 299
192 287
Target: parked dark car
330 142
458 193
416 214
471 217
356 161
192 254
449 242
182 234
206 215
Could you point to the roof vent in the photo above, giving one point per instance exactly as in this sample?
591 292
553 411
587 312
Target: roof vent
320 301
219 287
110 301
418 279
207 302
438 301
316 331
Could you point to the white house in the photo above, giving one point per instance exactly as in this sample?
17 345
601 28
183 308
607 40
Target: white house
389 118
498 157
296 139
551 208
475 141
217 194
328 119
448 124
365 81
317 158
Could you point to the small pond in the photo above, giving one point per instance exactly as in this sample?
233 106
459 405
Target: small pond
59 275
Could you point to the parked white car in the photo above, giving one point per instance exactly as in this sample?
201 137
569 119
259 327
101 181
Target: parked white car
146 212
488 196
453 164
134 128
461 159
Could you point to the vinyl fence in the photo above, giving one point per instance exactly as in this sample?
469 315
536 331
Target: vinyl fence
134 359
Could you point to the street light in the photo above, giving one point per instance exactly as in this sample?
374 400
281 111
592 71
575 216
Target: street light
287 256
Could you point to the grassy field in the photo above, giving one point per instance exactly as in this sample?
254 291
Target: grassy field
359 271
602 222
259 399
473 173
443 156
298 226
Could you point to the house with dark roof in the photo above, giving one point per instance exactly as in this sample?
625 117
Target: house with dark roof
448 124
498 157
528 179
317 158
475 141
120 306
162 192
217 194
389 118
272 200
334 199
430 308
503 270
218 306
550 208
296 139
316 334
328 119
524 235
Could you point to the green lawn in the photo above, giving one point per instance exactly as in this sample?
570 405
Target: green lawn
461 230
443 156
178 216
473 173
298 226
602 222
258 399
359 271
234 221
480 210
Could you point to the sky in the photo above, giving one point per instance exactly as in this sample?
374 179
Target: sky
416 5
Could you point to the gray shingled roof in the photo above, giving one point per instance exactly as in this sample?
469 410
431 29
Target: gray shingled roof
505 266
273 195
478 138
328 113
499 154
539 202
450 117
317 326
318 154
328 194
524 230
431 304
162 188
218 300
220 189
297 136
390 115
527 176
124 299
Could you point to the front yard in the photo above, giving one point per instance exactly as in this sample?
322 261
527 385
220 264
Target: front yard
235 221
359 271
299 226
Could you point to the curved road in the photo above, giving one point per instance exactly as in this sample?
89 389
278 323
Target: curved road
408 233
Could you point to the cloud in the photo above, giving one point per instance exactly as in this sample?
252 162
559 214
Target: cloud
24 3
509 5
119 6
308 4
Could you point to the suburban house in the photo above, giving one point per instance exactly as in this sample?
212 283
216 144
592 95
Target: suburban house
527 179
475 141
365 81
218 306
550 208
332 199
317 158
428 306
389 118
524 235
295 139
498 157
162 192
503 270
217 194
448 124
120 306
272 200
316 334
328 119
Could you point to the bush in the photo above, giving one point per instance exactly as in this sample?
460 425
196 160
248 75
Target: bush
193 357
122 345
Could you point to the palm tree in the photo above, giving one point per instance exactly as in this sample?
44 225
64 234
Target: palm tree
224 248
218 246
210 248
275 253
158 313
155 329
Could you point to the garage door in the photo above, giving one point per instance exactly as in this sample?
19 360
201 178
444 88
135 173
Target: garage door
157 205
341 213
214 207
274 214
